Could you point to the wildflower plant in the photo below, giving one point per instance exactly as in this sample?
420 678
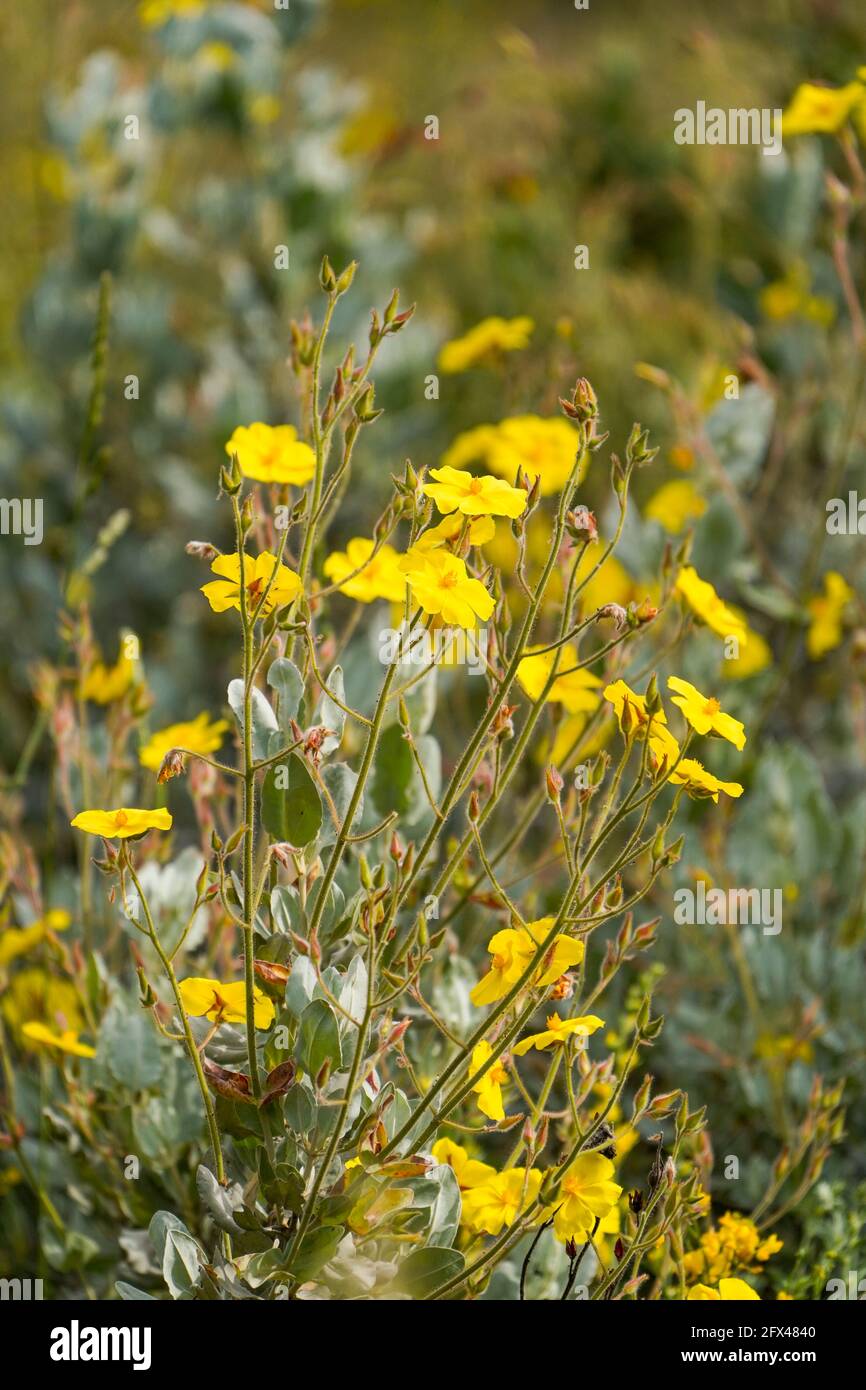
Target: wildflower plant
380 1120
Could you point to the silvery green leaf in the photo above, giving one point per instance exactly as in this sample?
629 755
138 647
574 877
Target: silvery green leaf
329 714
262 716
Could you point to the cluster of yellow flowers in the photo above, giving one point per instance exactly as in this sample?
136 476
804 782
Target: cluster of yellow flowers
734 1244
492 1200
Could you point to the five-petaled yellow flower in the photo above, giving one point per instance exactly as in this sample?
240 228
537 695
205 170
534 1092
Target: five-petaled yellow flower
704 713
485 341
225 592
700 783
196 735
587 1193
377 577
495 1203
104 684
631 711
224 1003
705 603
488 1087
729 1291
457 491
67 1041
481 530
512 950
441 586
272 454
121 824
826 612
559 1030
17 941
575 689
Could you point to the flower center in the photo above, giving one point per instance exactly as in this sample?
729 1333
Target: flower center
476 485
712 707
448 581
500 962
121 818
254 588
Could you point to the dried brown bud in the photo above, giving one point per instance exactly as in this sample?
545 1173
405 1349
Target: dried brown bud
202 550
172 765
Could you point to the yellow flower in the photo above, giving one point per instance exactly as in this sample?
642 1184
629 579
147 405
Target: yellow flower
224 1003
612 582
587 1192
469 1172
821 110
67 1041
482 529
121 824
197 735
378 577
497 1202
558 1031
729 1290
17 941
704 713
631 711
575 690
441 586
105 684
486 340
156 12
753 654
826 611
699 783
34 995
488 1087
544 449
706 604
513 948
272 454
675 504
457 491
225 592
783 299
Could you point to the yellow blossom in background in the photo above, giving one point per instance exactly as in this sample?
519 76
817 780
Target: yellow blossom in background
674 505
155 12
17 941
264 108
611 583
442 587
67 1041
781 1050
496 1202
734 1244
121 824
35 996
704 713
484 342
753 653
700 783
792 297
197 735
272 454
559 1030
575 690
220 56
488 1088
825 615
729 1290
104 684
378 577
455 490
225 592
705 603
815 109
469 1172
482 529
224 1003
588 1191
544 449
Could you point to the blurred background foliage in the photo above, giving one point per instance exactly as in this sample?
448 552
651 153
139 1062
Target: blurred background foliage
305 128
